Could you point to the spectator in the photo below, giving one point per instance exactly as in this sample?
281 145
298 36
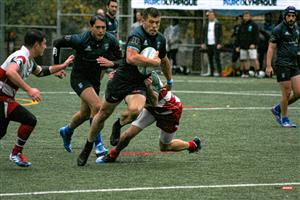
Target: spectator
139 20
172 34
212 42
246 42
111 21
235 54
101 12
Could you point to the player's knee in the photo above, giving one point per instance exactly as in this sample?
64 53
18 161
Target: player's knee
31 120
134 113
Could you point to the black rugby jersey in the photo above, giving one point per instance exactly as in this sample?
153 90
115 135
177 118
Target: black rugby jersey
287 40
139 39
88 49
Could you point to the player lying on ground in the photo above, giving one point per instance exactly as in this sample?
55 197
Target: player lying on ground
165 109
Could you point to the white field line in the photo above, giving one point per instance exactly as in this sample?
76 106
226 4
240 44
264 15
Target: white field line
151 188
241 93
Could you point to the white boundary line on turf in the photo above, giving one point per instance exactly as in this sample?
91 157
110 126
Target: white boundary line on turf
151 188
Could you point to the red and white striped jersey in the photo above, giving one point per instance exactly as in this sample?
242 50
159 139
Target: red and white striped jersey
167 102
26 66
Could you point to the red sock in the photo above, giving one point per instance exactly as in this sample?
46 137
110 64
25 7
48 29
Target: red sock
192 146
113 153
23 134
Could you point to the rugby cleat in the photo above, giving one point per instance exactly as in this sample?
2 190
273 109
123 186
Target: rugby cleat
100 150
116 131
66 135
197 142
277 115
20 159
108 158
288 124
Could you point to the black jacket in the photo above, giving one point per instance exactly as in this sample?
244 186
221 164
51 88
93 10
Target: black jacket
247 34
218 33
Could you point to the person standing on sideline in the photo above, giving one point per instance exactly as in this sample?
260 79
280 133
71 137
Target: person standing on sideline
15 69
285 38
96 50
164 108
212 37
128 83
110 16
246 44
172 34
139 20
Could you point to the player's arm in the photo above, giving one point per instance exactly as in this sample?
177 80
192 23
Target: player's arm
152 96
270 52
167 71
41 71
12 73
65 41
133 56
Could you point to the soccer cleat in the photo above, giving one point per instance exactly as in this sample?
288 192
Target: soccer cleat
288 124
277 115
100 150
67 137
116 131
197 142
84 155
20 160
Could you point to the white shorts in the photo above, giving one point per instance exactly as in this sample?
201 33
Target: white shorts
145 119
246 54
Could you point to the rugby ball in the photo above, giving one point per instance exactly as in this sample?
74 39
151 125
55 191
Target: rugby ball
148 52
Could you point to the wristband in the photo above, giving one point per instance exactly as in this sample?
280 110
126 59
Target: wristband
170 82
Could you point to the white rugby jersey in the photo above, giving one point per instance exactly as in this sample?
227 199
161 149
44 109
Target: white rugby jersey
26 66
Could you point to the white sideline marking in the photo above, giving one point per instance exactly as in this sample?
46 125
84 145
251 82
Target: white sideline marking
237 108
150 188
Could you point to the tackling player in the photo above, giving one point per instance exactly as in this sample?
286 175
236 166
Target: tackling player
165 109
15 69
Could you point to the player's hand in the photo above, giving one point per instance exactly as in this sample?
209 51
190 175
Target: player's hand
269 70
61 74
203 46
35 95
104 62
69 60
219 46
237 49
148 82
111 75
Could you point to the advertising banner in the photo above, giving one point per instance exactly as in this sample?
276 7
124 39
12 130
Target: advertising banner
216 4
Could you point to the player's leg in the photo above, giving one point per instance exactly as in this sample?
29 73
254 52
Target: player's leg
97 124
168 143
144 120
91 97
135 104
4 121
28 121
286 88
78 118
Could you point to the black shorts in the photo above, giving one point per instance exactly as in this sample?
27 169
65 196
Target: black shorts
118 88
80 83
286 73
